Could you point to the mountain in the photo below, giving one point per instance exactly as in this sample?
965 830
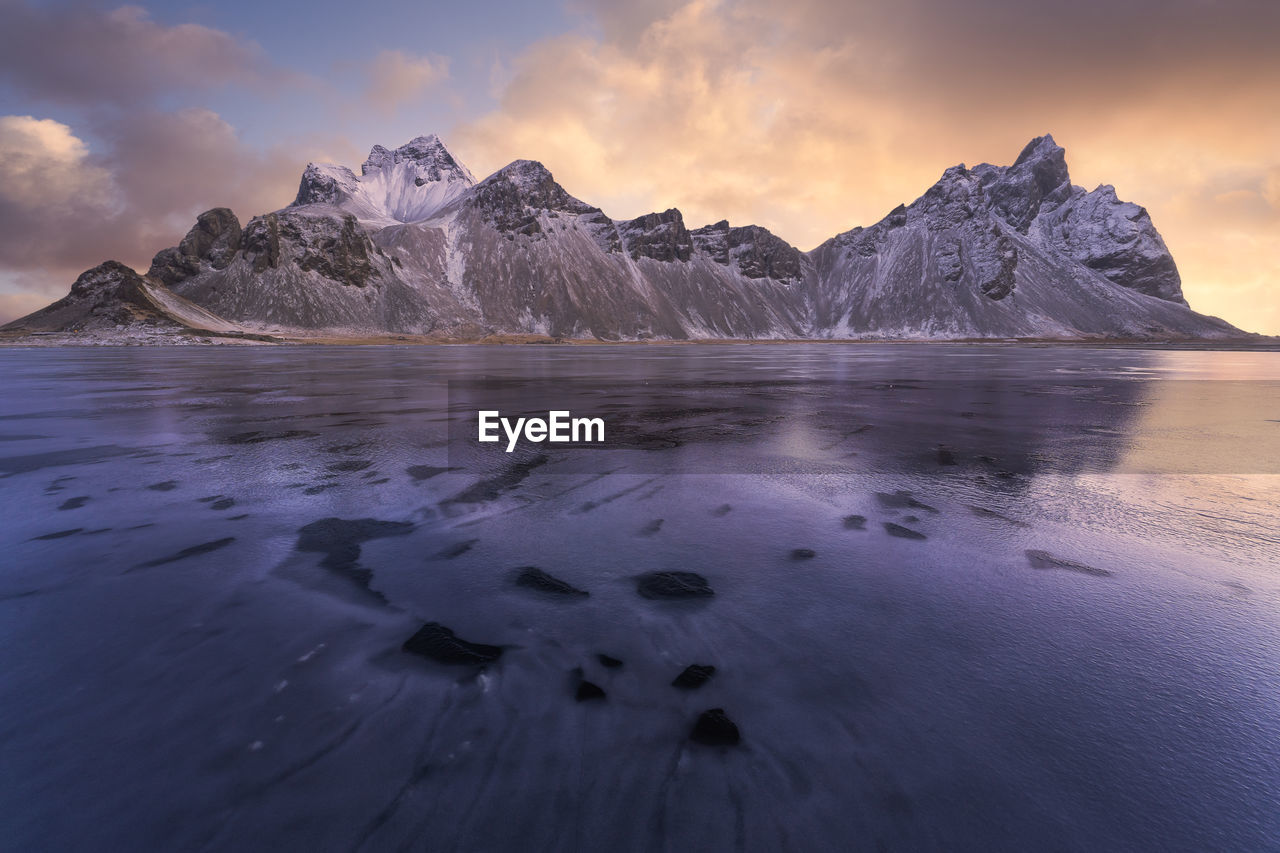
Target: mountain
1012 251
415 245
113 299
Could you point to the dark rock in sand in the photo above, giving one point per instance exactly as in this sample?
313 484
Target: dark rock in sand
722 510
61 534
74 503
166 486
258 437
491 488
340 539
350 465
983 512
456 550
426 472
902 532
714 728
185 553
803 554
946 457
225 503
438 643
902 500
651 528
532 577
694 676
587 692
1045 560
673 585
855 522
609 661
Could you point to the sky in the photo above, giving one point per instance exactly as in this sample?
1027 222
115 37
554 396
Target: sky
120 123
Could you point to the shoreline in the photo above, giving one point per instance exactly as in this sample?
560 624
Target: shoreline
192 337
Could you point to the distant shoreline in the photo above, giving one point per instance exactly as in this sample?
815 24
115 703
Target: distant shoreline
201 338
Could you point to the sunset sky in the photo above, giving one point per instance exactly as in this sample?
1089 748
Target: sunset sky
118 124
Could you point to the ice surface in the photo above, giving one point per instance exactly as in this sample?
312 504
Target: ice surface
213 560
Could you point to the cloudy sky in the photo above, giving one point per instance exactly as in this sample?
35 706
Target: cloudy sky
118 124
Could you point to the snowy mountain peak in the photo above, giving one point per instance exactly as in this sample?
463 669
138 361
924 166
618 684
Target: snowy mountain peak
433 160
408 184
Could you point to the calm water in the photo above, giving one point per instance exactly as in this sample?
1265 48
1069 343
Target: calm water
1041 608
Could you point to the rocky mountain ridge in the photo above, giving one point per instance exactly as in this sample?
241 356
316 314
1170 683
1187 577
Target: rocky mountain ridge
415 245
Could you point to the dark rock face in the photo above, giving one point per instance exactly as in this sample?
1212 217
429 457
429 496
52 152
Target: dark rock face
513 197
800 554
714 728
1017 193
531 577
324 185
342 257
694 676
438 643
213 240
661 236
336 248
215 237
262 242
673 585
755 251
609 662
997 273
170 266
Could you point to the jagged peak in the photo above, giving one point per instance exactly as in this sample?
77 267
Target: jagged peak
325 183
656 219
428 152
522 173
105 273
1040 148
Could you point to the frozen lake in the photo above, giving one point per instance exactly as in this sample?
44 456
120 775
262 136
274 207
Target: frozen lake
965 598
